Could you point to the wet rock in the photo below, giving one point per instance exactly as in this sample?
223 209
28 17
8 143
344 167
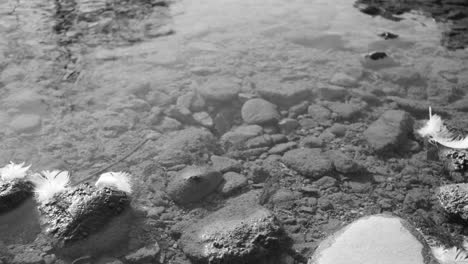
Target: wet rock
241 232
224 119
381 239
325 182
247 154
259 111
283 147
345 164
240 135
343 79
192 101
298 109
377 60
345 111
13 193
319 113
454 160
404 76
338 130
80 212
288 125
417 108
179 113
31 256
416 199
233 182
26 123
284 94
265 140
388 35
223 164
185 146
143 255
311 142
311 163
169 124
454 199
203 118
220 89
193 183
390 132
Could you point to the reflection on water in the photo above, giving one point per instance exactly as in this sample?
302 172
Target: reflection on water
82 82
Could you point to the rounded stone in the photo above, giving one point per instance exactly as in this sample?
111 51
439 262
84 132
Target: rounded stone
259 111
193 183
26 123
220 89
311 163
382 239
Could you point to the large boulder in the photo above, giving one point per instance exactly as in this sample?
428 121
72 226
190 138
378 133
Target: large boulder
382 239
390 132
13 193
185 146
81 214
193 183
311 163
259 111
241 232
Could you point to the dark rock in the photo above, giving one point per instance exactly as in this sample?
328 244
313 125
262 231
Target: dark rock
311 163
259 111
377 60
224 164
454 199
319 113
241 232
193 183
390 132
13 193
345 164
345 111
388 35
224 119
377 55
416 199
80 212
311 142
338 130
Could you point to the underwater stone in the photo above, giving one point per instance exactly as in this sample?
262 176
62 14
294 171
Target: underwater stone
220 89
224 164
26 123
240 135
13 193
241 232
79 212
382 239
233 182
203 118
390 132
193 183
146 254
311 163
259 111
454 199
284 94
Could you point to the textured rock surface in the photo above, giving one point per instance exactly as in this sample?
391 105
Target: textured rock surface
193 183
13 194
241 232
219 89
311 163
454 199
282 93
390 131
259 111
374 239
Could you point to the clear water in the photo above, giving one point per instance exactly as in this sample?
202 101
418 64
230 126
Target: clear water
116 68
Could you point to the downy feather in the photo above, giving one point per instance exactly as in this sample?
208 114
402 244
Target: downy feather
118 180
48 183
13 171
436 131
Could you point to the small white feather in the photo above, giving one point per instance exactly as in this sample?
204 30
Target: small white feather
48 183
450 256
118 180
13 171
436 131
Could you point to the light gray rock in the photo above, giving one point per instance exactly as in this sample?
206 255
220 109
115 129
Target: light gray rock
240 232
259 111
282 147
143 255
284 94
382 239
220 89
193 183
311 163
288 125
390 132
233 182
240 135
192 101
203 118
224 164
343 79
26 123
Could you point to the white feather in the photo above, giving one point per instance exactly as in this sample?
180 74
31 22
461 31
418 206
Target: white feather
119 180
48 183
436 131
450 256
13 171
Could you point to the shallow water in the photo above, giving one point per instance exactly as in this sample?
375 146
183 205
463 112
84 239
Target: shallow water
78 87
